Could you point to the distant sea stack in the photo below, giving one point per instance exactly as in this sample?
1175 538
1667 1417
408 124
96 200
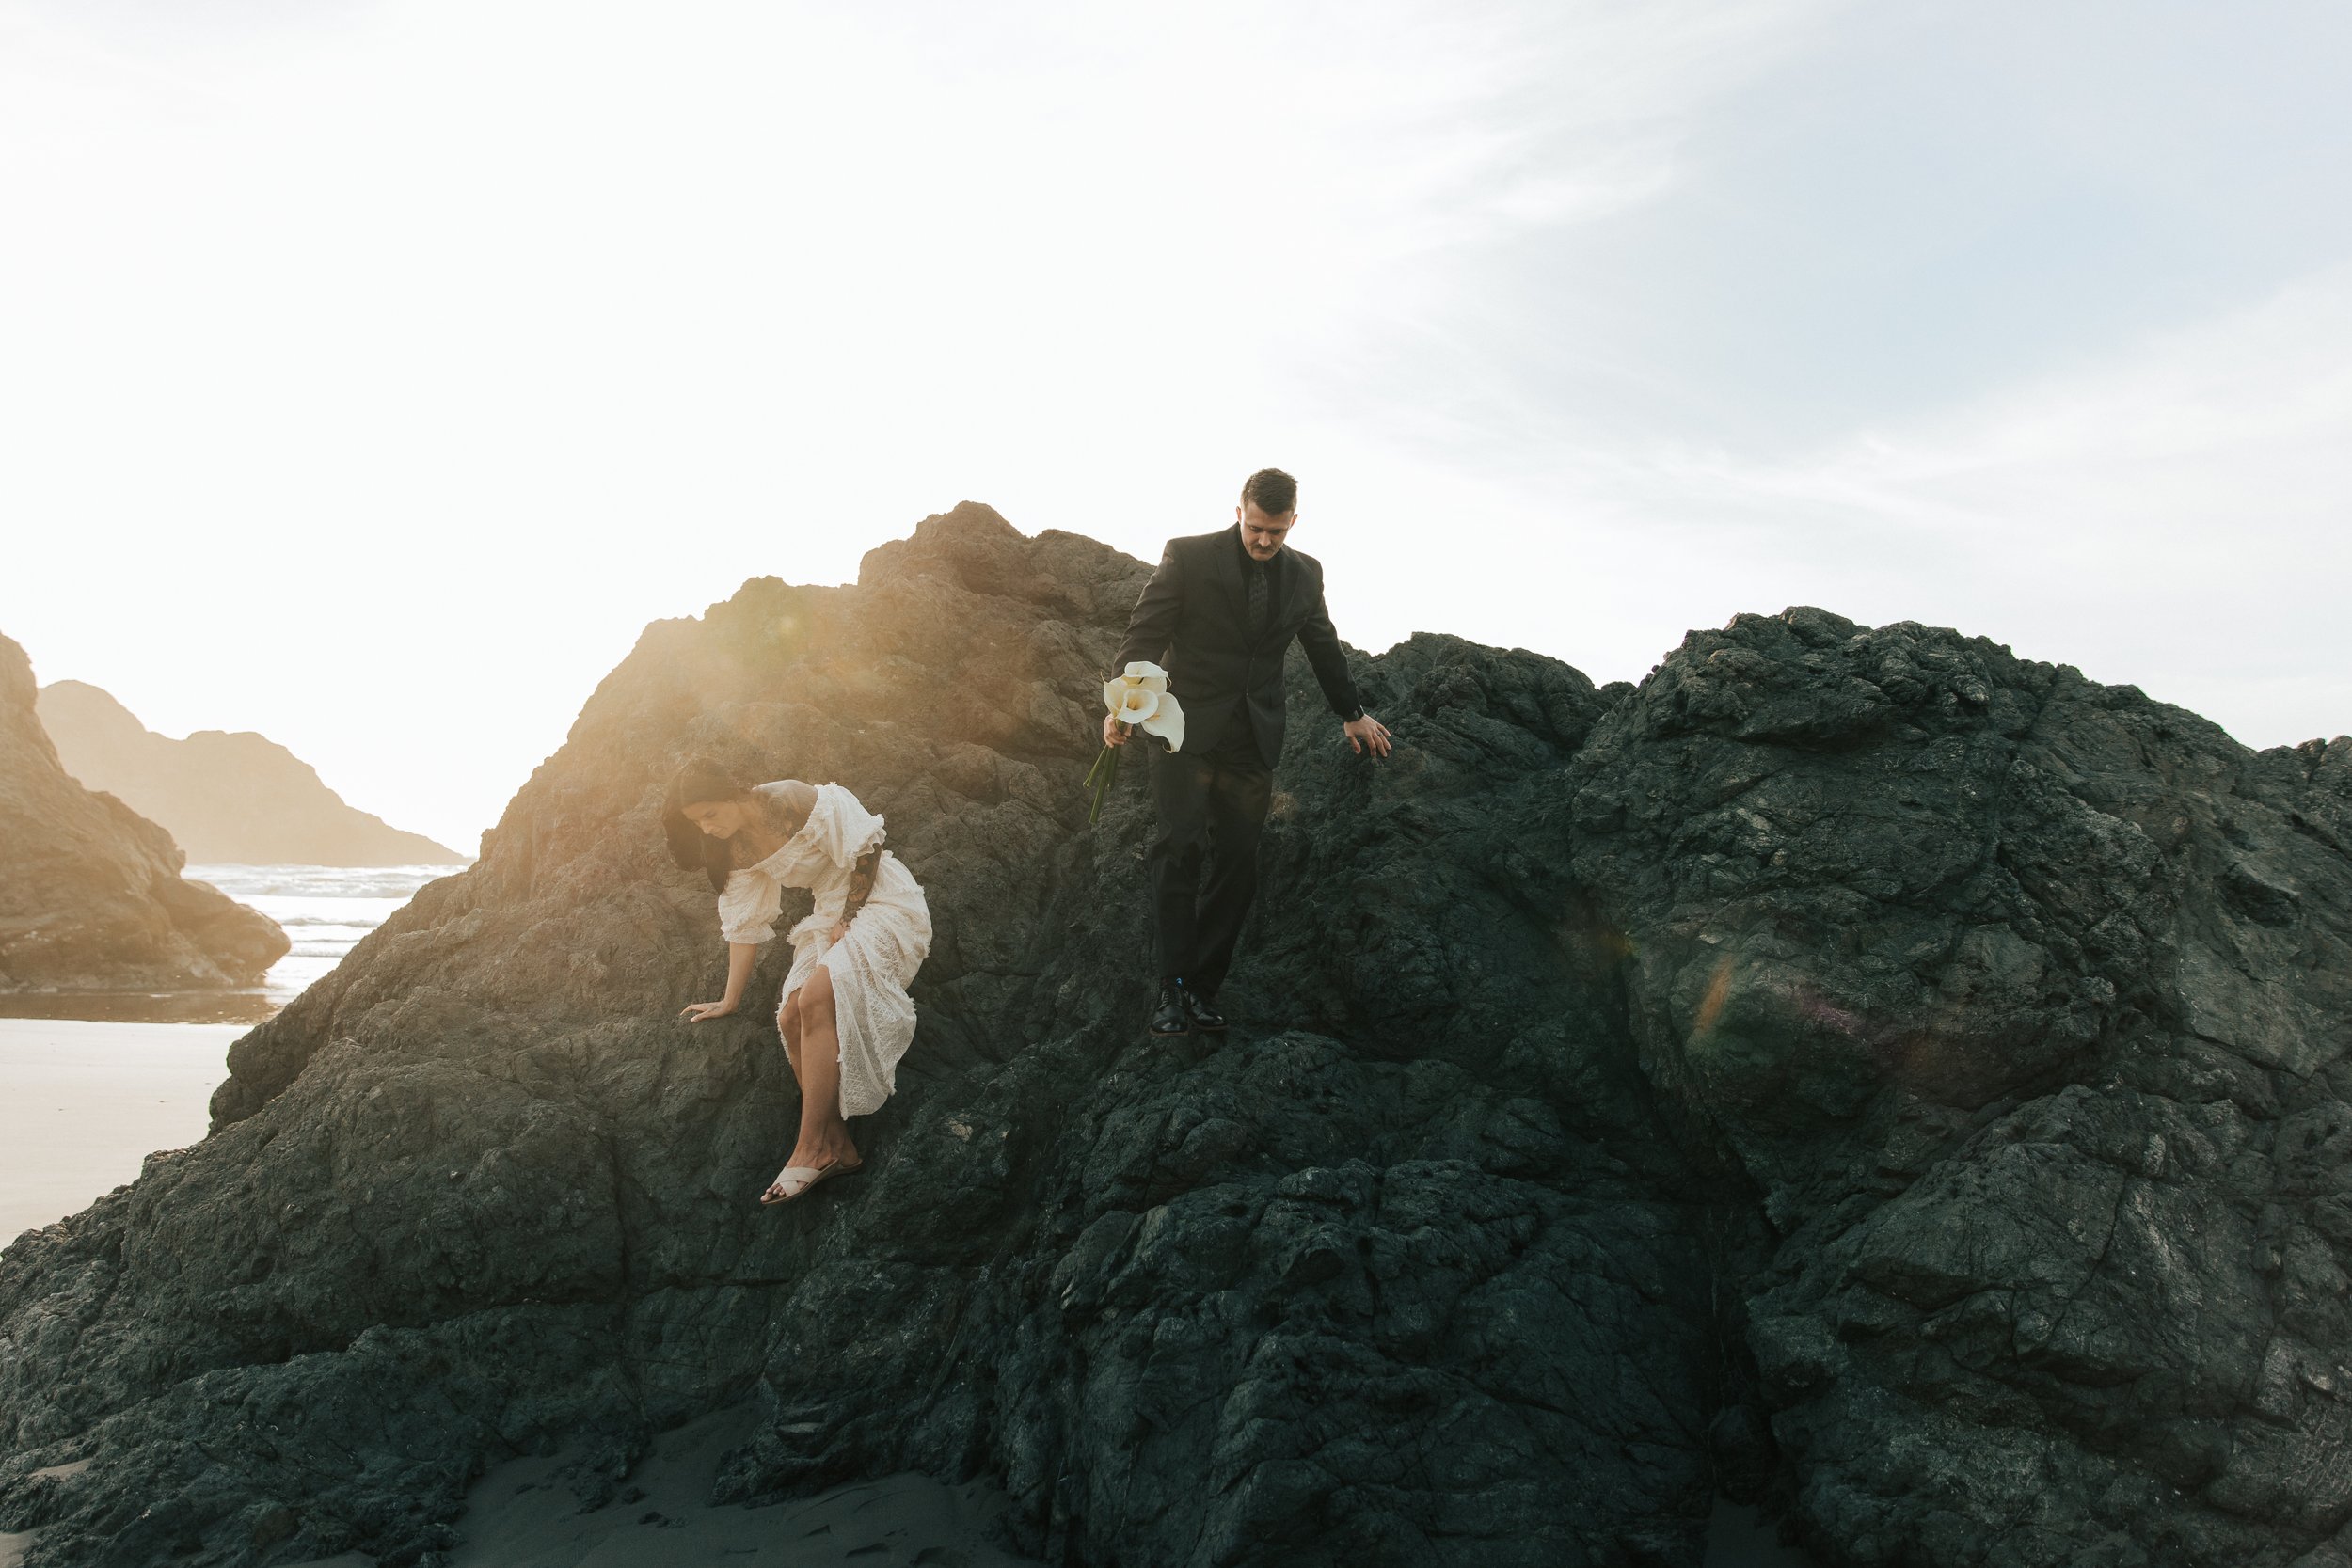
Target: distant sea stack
91 897
239 798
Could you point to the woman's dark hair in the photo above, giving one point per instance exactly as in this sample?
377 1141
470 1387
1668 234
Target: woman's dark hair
697 781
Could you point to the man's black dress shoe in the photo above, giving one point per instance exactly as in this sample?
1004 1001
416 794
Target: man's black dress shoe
1202 1009
1172 1017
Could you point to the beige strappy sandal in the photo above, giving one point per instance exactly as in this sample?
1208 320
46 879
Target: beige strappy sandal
794 1181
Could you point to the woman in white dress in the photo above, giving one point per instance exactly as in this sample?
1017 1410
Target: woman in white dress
846 1016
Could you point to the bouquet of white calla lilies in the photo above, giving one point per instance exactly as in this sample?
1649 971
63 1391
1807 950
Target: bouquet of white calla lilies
1137 696
1140 697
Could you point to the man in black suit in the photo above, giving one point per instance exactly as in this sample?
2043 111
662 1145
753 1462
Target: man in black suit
1219 615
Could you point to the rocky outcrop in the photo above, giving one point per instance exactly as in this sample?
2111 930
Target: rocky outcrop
2023 1003
91 897
235 797
1857 1069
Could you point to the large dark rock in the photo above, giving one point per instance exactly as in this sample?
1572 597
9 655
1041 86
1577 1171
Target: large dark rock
1857 1069
225 795
91 897
2024 1003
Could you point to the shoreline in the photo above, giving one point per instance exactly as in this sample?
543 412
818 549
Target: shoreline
243 1008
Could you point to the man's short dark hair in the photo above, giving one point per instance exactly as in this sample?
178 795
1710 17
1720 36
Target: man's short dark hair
1271 491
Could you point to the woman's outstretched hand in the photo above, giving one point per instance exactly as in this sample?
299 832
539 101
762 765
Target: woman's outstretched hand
697 1012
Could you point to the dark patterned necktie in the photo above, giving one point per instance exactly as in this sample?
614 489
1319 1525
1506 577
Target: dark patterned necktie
1258 597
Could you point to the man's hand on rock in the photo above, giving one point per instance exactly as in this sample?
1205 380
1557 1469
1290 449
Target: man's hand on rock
698 1011
1367 735
1114 733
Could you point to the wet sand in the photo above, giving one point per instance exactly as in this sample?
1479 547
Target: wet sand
83 1103
244 1008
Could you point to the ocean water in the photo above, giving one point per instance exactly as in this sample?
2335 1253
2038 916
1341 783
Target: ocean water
325 908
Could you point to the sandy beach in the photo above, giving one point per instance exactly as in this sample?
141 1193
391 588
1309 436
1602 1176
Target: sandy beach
86 1102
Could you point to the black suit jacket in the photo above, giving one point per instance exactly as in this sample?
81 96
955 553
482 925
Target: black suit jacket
1192 620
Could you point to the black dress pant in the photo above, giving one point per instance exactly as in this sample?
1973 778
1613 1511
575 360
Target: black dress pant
1204 860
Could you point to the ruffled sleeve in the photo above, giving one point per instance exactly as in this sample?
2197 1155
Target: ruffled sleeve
748 906
843 829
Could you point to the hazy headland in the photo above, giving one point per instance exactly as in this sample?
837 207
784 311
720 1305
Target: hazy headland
231 797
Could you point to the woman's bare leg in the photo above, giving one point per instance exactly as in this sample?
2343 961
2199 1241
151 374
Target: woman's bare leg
788 1025
824 1136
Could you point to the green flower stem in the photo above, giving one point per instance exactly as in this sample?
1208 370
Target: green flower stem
1099 780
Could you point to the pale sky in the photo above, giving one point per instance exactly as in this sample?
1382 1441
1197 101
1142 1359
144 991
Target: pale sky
371 372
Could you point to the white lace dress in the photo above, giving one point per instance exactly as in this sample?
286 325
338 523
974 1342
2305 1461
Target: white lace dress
872 964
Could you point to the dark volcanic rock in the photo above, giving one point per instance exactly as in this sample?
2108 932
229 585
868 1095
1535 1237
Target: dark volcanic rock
2024 1001
90 892
1857 1068
224 796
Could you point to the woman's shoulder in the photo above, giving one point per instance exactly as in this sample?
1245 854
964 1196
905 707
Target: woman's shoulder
842 799
788 805
808 794
795 797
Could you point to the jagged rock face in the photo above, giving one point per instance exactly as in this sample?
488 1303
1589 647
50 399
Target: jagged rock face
238 798
2026 1003
91 897
1857 1067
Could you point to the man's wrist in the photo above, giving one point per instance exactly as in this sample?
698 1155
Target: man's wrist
1352 716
